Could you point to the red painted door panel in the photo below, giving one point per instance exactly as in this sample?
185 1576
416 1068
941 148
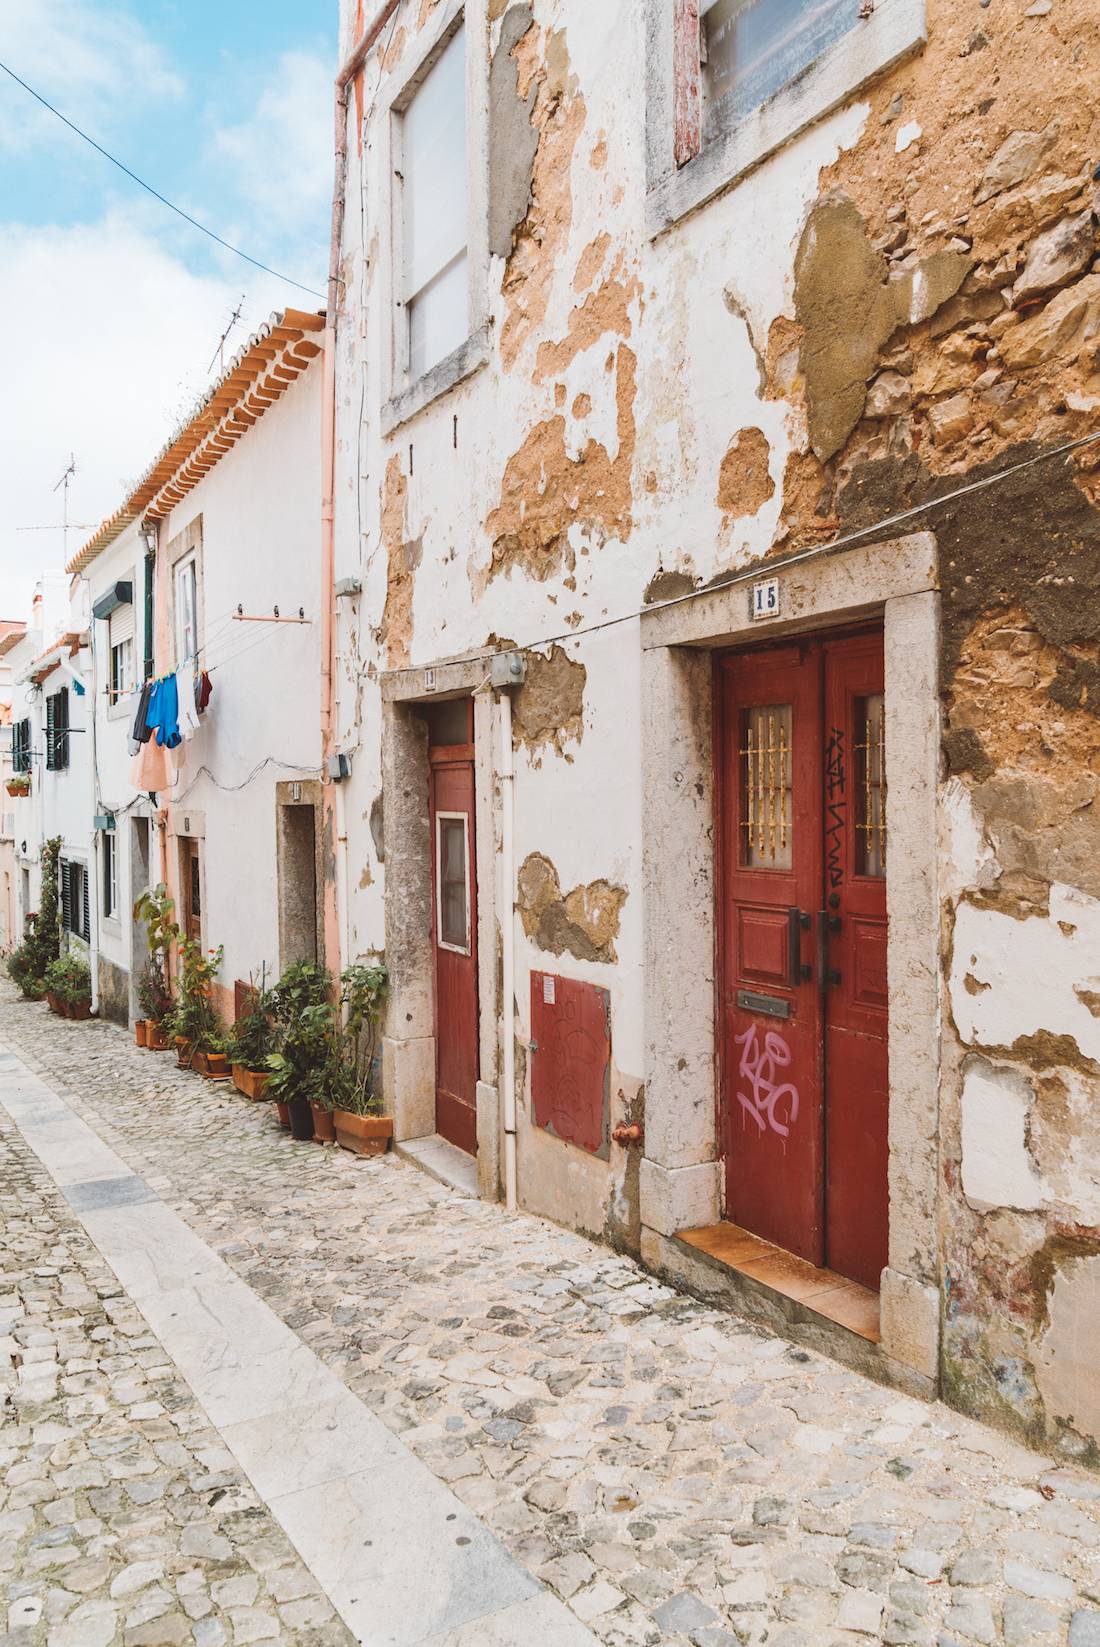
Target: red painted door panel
454 943
571 1061
769 711
856 1145
802 948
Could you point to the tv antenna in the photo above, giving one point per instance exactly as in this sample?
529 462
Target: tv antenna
219 352
64 483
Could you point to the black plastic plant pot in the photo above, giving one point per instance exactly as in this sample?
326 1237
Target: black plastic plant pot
301 1119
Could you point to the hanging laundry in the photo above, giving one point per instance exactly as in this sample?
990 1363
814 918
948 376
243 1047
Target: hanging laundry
140 732
166 716
150 769
188 712
203 688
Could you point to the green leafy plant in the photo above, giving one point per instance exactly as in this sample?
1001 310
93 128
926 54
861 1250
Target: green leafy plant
69 978
352 1076
194 1018
156 909
21 964
249 1040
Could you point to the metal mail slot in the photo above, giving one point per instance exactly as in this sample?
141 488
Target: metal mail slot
772 1006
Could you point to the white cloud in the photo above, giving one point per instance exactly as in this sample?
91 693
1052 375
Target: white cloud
279 160
93 60
115 346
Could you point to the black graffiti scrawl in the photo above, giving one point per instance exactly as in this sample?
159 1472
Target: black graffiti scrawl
836 805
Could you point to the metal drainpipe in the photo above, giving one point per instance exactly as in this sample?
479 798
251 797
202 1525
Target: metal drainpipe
508 946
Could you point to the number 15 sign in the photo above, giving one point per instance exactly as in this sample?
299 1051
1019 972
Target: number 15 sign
764 599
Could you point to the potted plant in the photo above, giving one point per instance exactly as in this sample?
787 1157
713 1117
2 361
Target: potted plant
19 784
157 910
155 1003
306 1030
193 1022
41 943
356 1102
69 986
248 1042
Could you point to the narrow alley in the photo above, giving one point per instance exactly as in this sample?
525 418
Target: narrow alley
626 1465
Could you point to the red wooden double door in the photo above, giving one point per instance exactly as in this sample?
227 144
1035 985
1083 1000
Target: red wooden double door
802 948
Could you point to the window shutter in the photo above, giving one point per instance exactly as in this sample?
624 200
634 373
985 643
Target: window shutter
61 724
86 924
51 736
66 896
120 624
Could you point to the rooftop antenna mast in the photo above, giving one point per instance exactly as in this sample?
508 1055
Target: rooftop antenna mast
219 352
64 482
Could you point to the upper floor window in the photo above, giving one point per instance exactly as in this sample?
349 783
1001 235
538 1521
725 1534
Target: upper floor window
748 76
751 49
120 638
187 610
431 166
57 730
21 746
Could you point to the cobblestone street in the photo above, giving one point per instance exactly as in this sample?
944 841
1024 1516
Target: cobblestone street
672 1475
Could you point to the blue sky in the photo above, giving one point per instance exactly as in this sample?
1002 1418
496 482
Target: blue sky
225 108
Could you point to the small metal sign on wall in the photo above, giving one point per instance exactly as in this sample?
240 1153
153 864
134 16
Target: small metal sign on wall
571 1061
764 599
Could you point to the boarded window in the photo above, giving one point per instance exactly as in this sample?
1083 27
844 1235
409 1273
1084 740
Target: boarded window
435 279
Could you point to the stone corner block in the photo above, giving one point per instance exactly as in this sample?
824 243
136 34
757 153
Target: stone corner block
408 1085
490 1137
679 1198
910 1322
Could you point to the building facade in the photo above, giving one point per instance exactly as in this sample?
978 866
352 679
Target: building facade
711 687
208 573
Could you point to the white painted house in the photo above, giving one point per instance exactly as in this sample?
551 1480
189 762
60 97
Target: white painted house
225 525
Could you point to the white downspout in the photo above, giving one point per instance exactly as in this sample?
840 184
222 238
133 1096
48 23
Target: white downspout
508 947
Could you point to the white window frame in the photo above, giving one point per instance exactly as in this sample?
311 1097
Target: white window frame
110 880
894 30
403 398
187 565
116 694
441 818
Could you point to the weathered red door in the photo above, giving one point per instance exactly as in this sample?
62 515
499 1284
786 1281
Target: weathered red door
454 925
802 950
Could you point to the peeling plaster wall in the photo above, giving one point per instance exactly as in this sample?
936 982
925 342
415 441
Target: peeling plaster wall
901 300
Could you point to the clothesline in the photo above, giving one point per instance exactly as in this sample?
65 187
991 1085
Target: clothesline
167 716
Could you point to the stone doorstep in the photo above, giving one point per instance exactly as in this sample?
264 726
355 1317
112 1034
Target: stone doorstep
442 1161
715 1282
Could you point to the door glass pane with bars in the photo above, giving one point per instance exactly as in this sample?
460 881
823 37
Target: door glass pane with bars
767 822
870 748
452 880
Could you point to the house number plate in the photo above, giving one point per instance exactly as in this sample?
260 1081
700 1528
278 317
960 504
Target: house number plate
770 1006
764 599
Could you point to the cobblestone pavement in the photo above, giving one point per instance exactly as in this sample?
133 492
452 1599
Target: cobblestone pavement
122 1516
673 1474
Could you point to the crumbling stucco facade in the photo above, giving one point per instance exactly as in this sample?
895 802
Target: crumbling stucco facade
673 375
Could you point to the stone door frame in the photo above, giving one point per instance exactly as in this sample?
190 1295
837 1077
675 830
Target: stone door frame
408 1045
897 582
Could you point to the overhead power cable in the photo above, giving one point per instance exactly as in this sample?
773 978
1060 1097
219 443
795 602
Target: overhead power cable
148 187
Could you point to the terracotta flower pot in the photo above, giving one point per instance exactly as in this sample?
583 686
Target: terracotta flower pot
55 1003
155 1036
301 1119
213 1065
183 1052
140 1033
252 1082
323 1128
79 1010
17 789
283 1112
363 1134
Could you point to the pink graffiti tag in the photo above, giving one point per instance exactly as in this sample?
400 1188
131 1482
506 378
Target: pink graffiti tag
758 1066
